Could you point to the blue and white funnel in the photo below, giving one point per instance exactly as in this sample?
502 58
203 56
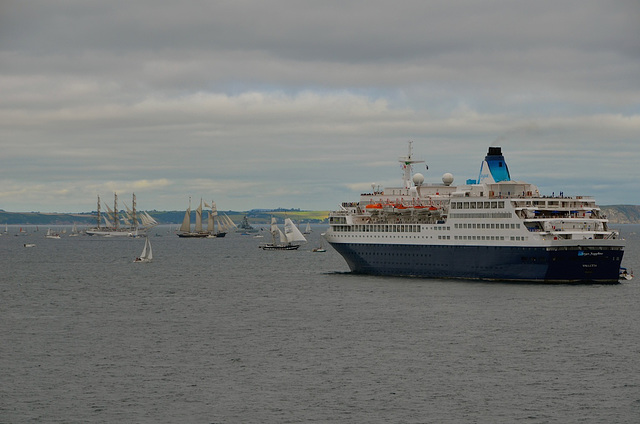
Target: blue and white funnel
494 168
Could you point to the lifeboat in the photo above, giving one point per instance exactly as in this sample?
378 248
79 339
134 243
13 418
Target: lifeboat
374 206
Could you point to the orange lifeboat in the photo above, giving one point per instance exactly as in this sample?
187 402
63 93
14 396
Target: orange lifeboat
374 206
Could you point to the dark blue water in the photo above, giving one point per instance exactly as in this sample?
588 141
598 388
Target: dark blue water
219 331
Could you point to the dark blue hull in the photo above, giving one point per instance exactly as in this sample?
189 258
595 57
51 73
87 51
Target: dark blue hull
531 264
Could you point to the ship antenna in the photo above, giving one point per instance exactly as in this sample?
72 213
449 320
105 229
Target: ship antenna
407 162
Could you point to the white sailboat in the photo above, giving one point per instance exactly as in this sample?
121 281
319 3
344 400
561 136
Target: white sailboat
290 236
147 253
74 231
51 235
307 229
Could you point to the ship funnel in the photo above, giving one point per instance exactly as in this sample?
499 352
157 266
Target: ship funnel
494 168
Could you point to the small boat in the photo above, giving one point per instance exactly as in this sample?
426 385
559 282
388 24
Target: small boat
74 231
51 235
307 229
319 249
29 245
147 253
626 274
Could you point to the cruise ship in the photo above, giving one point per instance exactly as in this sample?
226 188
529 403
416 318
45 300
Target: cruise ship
492 228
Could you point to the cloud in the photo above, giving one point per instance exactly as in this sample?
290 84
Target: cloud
295 103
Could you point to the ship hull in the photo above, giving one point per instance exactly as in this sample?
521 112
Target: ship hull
502 263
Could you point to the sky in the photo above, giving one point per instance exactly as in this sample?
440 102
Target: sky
306 104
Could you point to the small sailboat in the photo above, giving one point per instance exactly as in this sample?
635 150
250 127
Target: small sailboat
74 231
307 229
51 235
147 253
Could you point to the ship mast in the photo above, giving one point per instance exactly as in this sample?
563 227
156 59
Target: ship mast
98 211
115 211
407 162
134 218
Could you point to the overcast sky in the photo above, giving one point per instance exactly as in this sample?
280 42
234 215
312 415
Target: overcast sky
304 104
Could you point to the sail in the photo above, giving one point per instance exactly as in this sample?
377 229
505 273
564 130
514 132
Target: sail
149 251
228 221
143 255
283 238
107 222
292 232
274 226
199 218
210 223
186 222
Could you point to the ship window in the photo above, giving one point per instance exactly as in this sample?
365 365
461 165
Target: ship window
494 205
453 205
501 205
466 205
487 205
480 205
472 205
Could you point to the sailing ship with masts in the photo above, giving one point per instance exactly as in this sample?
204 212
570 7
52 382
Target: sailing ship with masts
223 223
115 223
288 238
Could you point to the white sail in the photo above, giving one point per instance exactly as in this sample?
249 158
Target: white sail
149 255
143 255
186 222
292 232
283 237
307 230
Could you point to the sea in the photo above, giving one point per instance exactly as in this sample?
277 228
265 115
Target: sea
220 331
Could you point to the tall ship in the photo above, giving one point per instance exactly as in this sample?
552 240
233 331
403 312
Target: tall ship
186 231
492 228
115 223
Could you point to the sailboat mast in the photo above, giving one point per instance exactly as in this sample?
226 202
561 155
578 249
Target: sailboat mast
98 211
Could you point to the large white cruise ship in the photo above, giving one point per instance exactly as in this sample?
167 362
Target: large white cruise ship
492 228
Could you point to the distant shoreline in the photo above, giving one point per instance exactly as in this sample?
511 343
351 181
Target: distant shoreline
260 216
617 214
